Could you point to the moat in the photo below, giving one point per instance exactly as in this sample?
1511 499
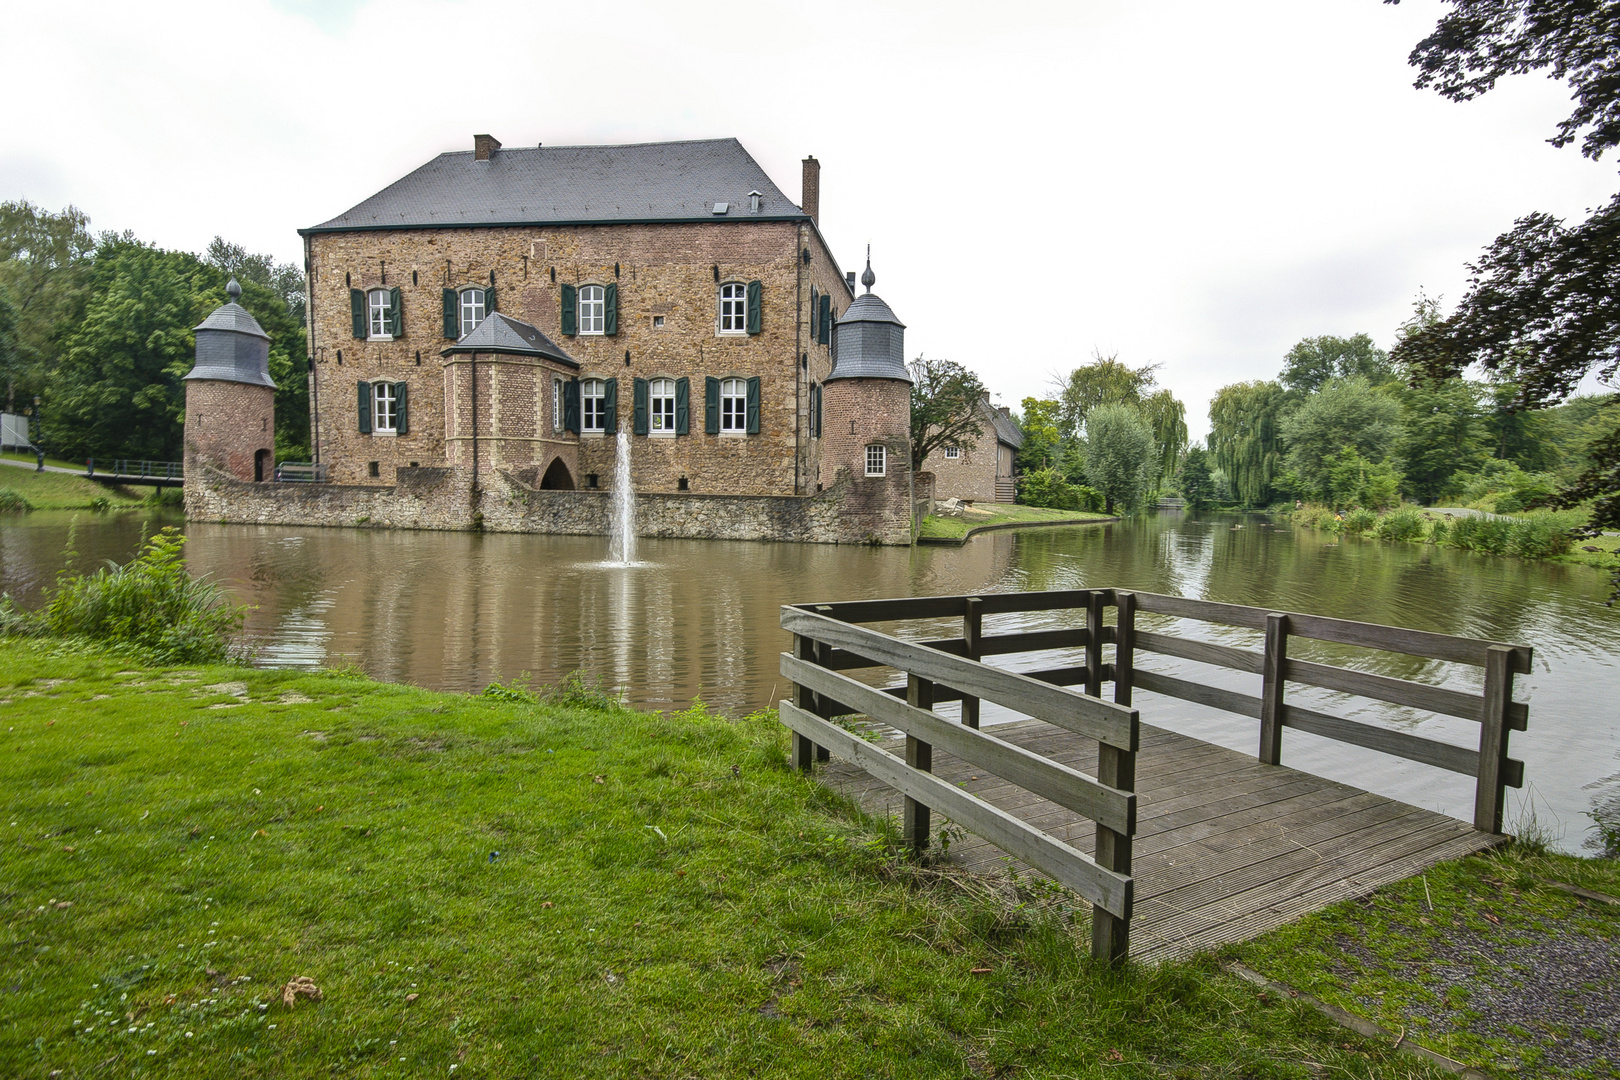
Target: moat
700 618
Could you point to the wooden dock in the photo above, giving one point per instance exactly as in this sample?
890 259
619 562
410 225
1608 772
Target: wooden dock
1225 848
1178 844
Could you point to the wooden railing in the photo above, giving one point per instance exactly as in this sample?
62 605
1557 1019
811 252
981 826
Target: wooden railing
829 640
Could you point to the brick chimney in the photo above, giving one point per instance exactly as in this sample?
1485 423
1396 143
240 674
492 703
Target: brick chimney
810 201
484 147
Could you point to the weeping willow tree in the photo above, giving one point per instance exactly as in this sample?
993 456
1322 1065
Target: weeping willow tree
1168 419
1245 435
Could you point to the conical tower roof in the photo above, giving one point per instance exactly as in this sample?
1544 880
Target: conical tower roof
869 342
232 346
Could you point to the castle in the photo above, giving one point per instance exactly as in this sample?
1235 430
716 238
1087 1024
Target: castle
483 329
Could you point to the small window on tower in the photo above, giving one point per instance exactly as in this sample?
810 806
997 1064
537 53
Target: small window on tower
658 322
877 460
953 452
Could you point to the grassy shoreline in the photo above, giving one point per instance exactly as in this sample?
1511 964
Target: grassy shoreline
64 491
524 889
1000 515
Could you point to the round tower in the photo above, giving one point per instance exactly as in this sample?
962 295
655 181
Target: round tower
866 408
230 398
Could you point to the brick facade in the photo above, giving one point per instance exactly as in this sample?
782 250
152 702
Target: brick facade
667 271
983 472
230 426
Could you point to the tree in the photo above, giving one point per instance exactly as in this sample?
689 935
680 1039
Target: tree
44 271
1346 413
1120 455
1542 308
1104 381
117 391
945 407
1196 484
1245 438
1442 433
1314 362
1168 419
1042 437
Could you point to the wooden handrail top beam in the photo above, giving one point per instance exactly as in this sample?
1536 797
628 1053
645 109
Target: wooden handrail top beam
1104 721
1051 780
939 607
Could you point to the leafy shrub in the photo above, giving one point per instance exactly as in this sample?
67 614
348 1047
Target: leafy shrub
1539 537
1404 524
1050 488
1439 532
1360 520
101 504
515 689
13 501
150 605
1317 517
580 691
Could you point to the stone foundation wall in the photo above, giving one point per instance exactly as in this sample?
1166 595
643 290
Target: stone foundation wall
444 499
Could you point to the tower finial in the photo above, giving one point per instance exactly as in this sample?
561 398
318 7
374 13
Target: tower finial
868 279
233 290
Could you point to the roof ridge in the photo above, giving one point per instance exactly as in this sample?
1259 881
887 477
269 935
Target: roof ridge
602 146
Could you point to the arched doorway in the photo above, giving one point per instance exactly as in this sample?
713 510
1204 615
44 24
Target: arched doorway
557 477
261 464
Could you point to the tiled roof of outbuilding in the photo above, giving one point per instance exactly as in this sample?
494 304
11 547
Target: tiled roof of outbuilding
1006 430
499 333
641 182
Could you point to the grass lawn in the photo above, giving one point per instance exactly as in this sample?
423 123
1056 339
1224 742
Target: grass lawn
955 528
60 491
1480 959
492 888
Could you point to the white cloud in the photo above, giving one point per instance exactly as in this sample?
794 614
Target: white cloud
1192 184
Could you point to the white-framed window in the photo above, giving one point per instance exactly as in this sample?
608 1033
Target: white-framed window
592 309
382 310
593 405
556 404
877 460
661 406
472 309
733 405
953 452
384 408
734 308
658 322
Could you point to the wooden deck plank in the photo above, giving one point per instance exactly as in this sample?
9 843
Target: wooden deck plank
1226 848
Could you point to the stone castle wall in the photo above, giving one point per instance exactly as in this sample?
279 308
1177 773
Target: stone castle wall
444 498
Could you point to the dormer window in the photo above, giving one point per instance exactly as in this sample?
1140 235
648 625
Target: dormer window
753 201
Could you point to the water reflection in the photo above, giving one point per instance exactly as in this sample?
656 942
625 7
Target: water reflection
457 611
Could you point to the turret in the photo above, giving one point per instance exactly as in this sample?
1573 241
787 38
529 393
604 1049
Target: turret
230 397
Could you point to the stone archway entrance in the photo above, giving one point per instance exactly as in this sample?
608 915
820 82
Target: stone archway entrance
557 477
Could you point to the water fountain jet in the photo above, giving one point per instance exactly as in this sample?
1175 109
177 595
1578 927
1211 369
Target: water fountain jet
622 542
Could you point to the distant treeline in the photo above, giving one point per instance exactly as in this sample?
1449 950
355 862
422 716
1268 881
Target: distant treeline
98 329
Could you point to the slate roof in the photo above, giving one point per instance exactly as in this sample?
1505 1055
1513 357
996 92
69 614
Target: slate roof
1006 430
499 333
537 185
869 342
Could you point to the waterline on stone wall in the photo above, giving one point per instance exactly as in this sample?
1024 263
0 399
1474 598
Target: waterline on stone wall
622 544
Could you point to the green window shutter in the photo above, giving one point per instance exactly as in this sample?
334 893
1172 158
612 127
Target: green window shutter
711 405
826 320
402 412
365 408
452 315
753 307
683 406
571 406
570 310
753 406
357 309
610 406
489 301
610 310
638 423
396 312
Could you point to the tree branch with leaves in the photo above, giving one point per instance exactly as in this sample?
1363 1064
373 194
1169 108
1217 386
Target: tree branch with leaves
946 400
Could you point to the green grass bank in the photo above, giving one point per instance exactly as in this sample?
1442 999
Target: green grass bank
60 491
1540 534
996 515
492 887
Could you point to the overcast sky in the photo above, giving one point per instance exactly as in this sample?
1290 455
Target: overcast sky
1192 184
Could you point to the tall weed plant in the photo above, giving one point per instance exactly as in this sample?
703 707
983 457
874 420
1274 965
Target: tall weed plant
151 605
1543 535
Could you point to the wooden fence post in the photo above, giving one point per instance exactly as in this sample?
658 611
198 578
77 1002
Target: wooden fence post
803 749
1094 636
1489 791
1124 647
1111 935
920 756
823 653
972 632
1271 689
